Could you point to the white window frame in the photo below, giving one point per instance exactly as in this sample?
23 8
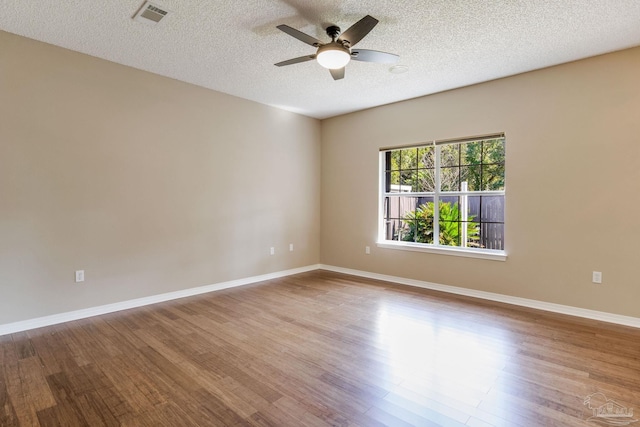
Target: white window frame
491 254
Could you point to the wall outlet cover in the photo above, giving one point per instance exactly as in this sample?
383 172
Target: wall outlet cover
79 276
596 277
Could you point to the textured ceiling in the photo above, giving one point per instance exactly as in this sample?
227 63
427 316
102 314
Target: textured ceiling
231 46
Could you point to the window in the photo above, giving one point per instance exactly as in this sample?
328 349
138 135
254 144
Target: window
445 196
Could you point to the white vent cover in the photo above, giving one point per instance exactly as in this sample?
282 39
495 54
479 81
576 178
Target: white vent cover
150 13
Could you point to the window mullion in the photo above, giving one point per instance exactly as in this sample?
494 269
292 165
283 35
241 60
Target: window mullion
436 200
415 207
384 181
482 166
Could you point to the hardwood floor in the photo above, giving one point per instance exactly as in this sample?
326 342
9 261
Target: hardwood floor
320 349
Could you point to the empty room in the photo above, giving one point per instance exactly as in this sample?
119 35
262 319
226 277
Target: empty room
311 214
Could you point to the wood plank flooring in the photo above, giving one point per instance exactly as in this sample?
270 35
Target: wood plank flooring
320 349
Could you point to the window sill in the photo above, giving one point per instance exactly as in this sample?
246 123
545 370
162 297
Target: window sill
445 250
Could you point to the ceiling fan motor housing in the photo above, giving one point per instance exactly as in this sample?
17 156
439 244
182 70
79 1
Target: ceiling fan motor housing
333 31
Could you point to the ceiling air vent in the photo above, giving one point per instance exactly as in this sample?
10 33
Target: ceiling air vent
150 13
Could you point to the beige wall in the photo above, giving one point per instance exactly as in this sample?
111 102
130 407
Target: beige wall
573 183
152 185
148 184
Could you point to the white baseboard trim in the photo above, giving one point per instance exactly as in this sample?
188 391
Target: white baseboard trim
524 302
54 319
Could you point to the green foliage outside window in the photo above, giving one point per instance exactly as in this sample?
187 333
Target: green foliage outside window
479 163
420 225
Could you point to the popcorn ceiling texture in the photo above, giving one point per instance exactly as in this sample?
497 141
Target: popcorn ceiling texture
231 46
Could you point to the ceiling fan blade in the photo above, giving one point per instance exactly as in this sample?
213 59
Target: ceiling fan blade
296 60
337 74
357 31
367 55
306 38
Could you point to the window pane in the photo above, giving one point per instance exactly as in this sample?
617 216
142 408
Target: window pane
492 209
493 151
395 160
394 186
449 223
408 180
409 158
408 231
454 233
426 157
391 229
471 153
472 176
492 236
398 207
488 213
425 203
449 233
391 207
420 223
473 208
458 224
407 206
450 155
486 208
426 180
450 208
449 179
493 177
472 234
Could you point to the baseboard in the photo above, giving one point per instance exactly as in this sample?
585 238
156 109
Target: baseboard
54 319
39 322
524 302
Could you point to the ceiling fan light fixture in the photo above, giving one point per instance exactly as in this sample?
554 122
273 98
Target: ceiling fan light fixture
333 56
336 54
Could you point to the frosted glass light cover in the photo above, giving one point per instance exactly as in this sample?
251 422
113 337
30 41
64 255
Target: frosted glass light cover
333 56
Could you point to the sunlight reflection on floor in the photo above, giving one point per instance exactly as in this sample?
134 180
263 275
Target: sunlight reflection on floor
425 354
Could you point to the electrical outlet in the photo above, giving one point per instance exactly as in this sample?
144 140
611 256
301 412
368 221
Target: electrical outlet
272 251
596 277
367 250
290 247
79 276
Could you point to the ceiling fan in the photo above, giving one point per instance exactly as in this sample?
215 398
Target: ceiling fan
336 54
